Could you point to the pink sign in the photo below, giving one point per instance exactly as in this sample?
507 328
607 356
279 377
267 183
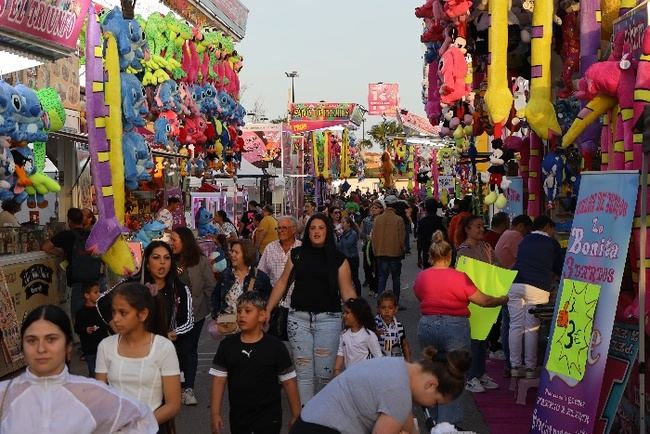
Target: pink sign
56 22
383 99
234 10
418 123
263 148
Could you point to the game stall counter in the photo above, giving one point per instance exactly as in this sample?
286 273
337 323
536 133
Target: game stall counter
27 280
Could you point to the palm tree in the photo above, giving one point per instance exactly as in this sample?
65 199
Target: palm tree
383 133
365 144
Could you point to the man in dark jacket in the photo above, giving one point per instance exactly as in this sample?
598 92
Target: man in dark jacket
426 228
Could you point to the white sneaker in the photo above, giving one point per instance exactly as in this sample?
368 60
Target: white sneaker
474 385
497 355
488 383
188 398
532 373
517 372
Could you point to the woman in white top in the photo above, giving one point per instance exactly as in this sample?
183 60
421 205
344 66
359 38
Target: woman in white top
137 361
46 398
226 226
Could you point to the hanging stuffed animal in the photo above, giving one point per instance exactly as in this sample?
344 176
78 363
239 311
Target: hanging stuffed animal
387 169
453 69
498 181
553 171
204 223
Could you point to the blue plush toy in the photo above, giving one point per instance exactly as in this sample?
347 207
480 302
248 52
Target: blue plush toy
227 106
167 96
204 223
161 131
133 102
31 127
218 260
131 44
209 105
553 171
10 104
149 232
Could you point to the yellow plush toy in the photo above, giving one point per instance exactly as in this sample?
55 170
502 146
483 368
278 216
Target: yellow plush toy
595 108
539 111
118 257
498 96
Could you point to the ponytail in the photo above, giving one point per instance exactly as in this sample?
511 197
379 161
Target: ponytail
450 372
440 248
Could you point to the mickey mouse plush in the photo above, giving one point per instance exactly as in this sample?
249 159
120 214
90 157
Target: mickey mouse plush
498 181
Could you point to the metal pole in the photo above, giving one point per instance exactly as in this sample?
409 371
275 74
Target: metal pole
293 90
642 266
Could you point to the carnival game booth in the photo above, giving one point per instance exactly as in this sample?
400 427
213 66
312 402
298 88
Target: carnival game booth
562 88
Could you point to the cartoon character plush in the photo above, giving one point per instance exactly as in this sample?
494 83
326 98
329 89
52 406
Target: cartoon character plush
131 44
133 102
193 130
209 105
10 104
149 232
218 260
497 171
31 127
453 69
204 223
167 96
227 106
387 169
553 171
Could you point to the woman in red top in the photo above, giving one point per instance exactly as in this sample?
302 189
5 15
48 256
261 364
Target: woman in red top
444 295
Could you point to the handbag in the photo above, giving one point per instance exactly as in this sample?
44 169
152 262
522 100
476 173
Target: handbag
227 322
280 315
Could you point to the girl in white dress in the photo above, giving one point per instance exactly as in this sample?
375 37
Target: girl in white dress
139 361
46 398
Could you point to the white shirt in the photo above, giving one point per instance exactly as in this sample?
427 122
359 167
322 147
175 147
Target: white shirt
358 346
65 403
228 229
140 378
272 263
165 216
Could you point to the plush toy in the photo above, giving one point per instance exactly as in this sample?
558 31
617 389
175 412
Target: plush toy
539 111
226 105
192 131
218 260
387 169
204 223
167 96
129 36
149 232
553 171
498 181
104 90
209 105
498 98
453 69
570 50
10 104
31 127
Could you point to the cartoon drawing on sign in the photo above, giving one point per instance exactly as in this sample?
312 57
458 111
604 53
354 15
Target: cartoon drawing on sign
572 334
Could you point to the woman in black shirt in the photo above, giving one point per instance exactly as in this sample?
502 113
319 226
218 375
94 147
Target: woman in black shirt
322 278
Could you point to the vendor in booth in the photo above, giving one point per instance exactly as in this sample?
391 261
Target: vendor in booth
8 215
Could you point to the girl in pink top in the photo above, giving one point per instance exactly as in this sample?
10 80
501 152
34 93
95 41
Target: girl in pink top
444 295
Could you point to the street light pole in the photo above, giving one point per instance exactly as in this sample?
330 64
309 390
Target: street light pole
292 75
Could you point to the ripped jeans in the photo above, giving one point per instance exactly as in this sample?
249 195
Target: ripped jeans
314 339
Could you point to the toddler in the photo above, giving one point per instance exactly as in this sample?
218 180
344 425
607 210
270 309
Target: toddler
392 338
89 326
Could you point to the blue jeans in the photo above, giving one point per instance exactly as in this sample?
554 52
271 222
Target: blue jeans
314 339
479 352
445 333
389 265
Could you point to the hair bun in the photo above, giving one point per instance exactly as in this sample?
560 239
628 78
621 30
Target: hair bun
437 237
458 362
429 353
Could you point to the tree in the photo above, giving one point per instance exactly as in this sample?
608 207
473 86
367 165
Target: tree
383 133
365 144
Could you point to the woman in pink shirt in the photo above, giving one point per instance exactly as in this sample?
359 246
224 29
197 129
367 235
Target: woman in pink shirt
444 295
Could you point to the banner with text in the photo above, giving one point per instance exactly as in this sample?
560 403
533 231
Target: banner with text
313 116
596 254
623 349
56 22
383 99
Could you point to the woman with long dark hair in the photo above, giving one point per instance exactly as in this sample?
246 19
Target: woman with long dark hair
46 398
194 270
322 278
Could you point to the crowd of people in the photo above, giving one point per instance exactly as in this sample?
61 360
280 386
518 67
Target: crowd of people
295 279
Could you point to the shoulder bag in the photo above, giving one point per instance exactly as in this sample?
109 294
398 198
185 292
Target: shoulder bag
280 315
227 322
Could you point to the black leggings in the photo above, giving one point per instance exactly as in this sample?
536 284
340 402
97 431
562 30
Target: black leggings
302 427
187 346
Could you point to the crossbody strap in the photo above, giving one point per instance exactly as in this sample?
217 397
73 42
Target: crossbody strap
251 281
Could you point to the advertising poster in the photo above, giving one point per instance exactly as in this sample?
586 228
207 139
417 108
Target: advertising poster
383 99
314 116
596 254
263 145
447 183
623 349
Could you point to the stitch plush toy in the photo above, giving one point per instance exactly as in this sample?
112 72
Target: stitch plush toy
204 223
10 105
149 232
31 127
130 39
167 96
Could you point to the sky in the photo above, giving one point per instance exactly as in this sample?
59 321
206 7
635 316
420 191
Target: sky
338 47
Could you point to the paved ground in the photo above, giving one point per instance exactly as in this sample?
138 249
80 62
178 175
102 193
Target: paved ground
196 419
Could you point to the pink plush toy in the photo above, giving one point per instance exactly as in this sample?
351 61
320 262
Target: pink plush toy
432 108
457 9
452 69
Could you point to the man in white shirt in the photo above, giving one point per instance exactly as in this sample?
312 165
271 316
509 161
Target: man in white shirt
277 252
166 215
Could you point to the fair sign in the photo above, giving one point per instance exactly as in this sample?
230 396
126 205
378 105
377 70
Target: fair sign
595 258
56 23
